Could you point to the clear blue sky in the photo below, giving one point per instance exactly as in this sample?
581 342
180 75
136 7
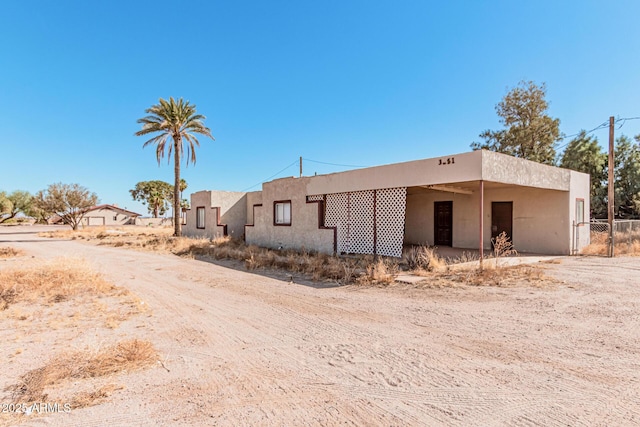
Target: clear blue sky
345 82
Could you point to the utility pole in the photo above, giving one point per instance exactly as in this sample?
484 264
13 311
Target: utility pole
300 166
611 195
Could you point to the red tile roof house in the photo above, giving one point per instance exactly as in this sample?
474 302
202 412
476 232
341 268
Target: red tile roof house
462 200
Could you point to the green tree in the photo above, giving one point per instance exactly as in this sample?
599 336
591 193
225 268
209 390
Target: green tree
529 132
157 195
627 178
5 205
68 201
21 201
176 121
584 154
184 203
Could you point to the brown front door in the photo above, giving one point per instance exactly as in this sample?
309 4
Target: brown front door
502 219
443 223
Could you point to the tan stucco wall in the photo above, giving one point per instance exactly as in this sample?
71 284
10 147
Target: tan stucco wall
541 218
232 207
419 218
303 231
580 189
498 167
253 198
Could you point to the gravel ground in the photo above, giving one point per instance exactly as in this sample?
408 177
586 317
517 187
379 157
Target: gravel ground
245 348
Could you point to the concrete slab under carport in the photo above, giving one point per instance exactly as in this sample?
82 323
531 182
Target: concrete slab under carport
451 254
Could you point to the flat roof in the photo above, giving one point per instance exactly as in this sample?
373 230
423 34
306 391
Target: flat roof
480 165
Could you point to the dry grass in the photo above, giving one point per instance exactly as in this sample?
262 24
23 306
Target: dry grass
423 258
517 275
511 276
127 356
90 398
9 252
625 244
361 269
55 281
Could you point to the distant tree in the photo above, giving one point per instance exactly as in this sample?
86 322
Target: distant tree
68 201
184 203
175 121
21 201
183 186
5 205
157 195
529 132
627 178
584 154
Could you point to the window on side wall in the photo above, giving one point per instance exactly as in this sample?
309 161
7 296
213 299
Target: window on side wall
282 212
579 211
200 217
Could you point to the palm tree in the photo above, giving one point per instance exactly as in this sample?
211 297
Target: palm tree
176 121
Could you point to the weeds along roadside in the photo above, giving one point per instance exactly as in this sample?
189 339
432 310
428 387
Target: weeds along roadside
65 298
421 261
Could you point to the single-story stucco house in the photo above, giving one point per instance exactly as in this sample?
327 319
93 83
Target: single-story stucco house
109 215
104 215
462 200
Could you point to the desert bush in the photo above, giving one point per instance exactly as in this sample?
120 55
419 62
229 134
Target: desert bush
423 258
382 271
502 247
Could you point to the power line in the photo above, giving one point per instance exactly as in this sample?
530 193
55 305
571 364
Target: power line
272 176
601 126
335 164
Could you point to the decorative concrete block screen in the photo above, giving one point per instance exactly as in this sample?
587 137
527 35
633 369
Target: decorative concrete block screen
367 222
391 204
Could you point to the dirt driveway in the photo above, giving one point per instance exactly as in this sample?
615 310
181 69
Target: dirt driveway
246 349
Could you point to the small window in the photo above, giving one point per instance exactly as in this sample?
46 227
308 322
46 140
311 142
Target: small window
579 211
115 217
200 217
282 213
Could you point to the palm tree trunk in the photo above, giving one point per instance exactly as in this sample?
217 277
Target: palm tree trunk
177 224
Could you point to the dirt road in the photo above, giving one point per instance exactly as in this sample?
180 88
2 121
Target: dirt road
247 349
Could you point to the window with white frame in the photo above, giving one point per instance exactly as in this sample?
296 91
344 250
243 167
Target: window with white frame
282 212
579 211
200 217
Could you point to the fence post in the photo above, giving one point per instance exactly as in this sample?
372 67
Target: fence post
613 238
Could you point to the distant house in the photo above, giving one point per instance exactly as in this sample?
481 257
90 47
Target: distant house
109 215
462 200
104 215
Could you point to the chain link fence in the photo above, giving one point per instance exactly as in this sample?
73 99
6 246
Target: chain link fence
598 238
626 238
